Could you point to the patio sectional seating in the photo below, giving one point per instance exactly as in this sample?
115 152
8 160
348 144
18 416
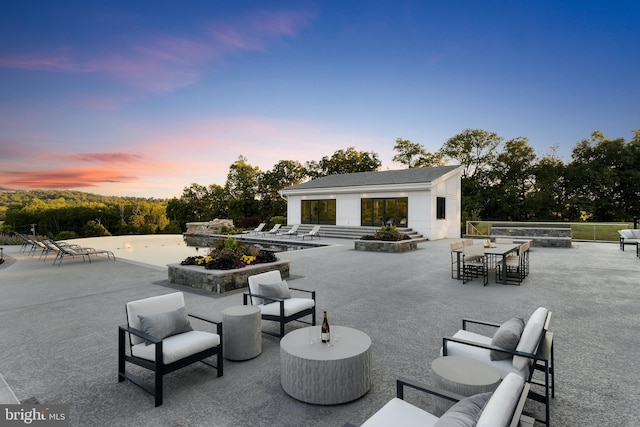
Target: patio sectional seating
503 407
629 236
515 347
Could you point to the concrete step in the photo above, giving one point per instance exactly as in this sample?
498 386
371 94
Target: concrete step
348 232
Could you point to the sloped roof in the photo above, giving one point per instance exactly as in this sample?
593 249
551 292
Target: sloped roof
401 176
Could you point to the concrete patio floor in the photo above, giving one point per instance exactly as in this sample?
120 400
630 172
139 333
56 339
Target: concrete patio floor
59 334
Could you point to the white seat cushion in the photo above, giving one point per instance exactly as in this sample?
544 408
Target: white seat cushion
626 233
397 412
178 346
291 306
500 408
482 354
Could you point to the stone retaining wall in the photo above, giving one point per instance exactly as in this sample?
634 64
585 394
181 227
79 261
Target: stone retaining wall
382 246
221 281
549 236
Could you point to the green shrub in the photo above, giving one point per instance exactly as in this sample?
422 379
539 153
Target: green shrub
387 233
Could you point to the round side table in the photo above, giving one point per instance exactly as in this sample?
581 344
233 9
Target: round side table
241 332
463 376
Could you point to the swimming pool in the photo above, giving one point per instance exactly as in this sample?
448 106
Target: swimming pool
162 249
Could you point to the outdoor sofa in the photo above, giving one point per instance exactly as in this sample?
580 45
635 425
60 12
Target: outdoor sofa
629 236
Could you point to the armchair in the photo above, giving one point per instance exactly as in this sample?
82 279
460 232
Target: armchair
502 407
512 350
162 340
273 296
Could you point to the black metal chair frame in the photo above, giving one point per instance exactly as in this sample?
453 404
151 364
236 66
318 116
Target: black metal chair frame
403 382
475 268
158 366
516 271
281 318
543 361
627 242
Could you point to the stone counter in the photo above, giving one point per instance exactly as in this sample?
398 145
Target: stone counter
221 281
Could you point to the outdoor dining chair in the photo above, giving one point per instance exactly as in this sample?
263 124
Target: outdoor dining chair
474 264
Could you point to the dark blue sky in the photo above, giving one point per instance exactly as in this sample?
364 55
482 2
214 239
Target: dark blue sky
143 98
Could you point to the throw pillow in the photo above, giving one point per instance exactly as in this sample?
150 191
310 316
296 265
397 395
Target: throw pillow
166 324
275 290
507 336
466 412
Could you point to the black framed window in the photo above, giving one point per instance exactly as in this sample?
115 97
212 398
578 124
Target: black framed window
319 212
441 208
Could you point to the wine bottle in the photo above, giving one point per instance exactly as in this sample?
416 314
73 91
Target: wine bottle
325 334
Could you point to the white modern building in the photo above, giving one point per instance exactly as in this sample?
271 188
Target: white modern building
427 200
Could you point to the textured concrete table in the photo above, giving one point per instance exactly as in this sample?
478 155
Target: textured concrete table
463 376
322 374
241 332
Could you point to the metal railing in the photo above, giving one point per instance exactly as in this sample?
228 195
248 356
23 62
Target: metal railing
581 231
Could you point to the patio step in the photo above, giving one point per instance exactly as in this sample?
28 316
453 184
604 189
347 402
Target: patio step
348 232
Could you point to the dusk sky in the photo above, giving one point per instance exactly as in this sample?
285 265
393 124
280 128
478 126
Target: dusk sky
143 98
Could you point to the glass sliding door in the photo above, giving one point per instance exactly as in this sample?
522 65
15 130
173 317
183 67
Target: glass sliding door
390 211
318 212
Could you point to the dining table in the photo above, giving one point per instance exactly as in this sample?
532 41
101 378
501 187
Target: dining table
495 250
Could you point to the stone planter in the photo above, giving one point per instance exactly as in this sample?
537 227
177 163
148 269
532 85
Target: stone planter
382 246
221 281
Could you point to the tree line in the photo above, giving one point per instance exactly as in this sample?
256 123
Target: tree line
501 180
67 214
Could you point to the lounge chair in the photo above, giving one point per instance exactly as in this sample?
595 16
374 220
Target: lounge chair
161 339
65 249
315 232
292 232
503 407
256 230
274 230
272 295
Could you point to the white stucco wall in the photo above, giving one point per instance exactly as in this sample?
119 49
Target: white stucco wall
294 210
421 203
348 210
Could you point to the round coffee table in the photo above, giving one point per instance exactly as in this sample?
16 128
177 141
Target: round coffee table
462 376
322 374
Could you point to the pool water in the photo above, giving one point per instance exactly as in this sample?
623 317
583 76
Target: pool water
155 249
162 249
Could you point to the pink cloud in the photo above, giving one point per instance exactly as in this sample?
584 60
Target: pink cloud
106 157
256 31
63 178
167 63
61 60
